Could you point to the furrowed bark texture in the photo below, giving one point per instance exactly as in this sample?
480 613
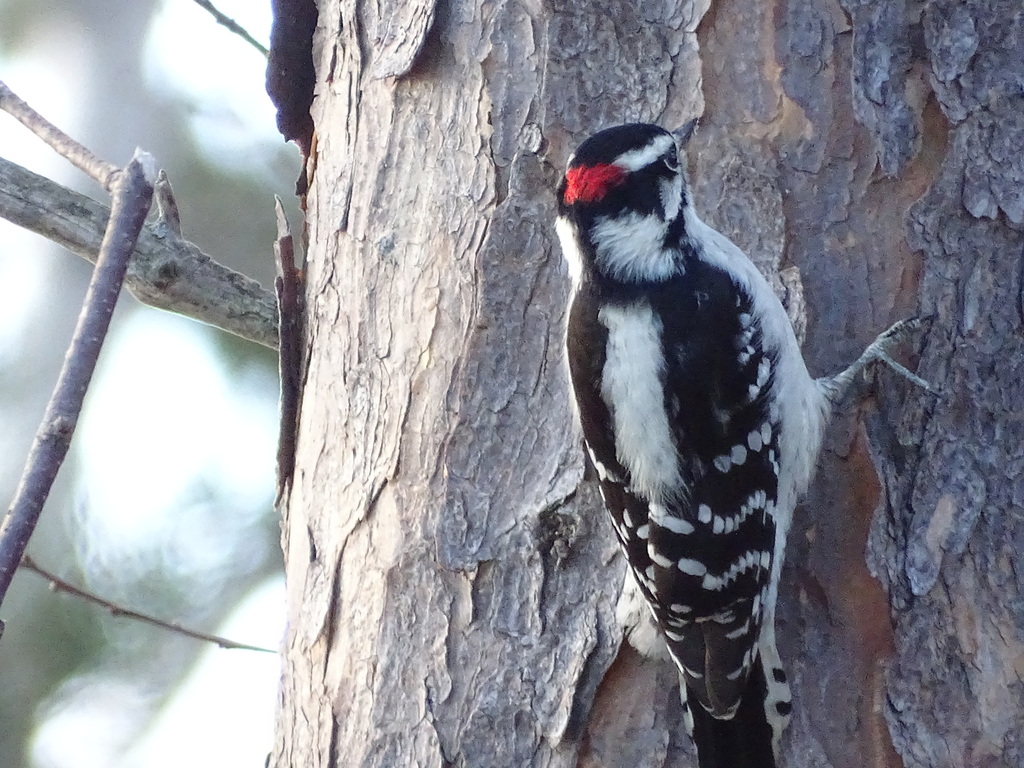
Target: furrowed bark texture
948 543
451 581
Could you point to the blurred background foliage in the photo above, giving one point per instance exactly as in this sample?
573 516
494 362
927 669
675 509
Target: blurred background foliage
165 503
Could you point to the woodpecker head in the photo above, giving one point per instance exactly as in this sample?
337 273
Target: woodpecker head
621 204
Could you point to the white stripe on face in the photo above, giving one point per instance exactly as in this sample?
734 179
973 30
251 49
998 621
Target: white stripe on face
636 159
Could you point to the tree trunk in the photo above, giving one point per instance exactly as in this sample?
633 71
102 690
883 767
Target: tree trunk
451 580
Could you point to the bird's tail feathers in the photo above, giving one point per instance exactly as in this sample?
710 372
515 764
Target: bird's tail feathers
750 737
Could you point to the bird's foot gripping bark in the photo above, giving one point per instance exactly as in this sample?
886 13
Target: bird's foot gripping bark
857 380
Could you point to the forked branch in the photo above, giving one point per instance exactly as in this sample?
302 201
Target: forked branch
133 194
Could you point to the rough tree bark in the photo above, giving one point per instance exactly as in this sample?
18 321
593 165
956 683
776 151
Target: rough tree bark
451 581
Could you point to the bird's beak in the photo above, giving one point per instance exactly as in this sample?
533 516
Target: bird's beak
684 133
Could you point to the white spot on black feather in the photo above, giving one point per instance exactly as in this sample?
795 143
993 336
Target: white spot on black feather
754 441
672 523
738 455
745 562
692 567
658 559
741 630
735 673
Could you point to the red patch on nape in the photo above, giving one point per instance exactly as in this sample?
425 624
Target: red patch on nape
589 183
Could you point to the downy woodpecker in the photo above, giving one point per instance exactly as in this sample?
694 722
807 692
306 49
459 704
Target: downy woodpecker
702 423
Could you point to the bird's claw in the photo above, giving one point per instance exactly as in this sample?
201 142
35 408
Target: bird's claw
877 351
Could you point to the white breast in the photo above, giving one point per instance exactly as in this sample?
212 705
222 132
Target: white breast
631 386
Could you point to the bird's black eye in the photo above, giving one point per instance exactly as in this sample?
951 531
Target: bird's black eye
672 160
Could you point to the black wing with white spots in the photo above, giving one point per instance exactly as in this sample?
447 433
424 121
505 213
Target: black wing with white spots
719 389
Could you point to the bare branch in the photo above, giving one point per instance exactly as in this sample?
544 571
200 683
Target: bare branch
166 272
60 142
289 303
133 195
58 584
232 25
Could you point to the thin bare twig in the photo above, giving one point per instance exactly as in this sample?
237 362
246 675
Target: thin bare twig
133 194
167 271
58 584
232 25
60 142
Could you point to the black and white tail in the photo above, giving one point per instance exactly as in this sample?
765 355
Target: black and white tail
741 741
750 738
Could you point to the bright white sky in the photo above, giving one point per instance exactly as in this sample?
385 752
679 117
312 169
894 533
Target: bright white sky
221 716
222 74
53 76
209 425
